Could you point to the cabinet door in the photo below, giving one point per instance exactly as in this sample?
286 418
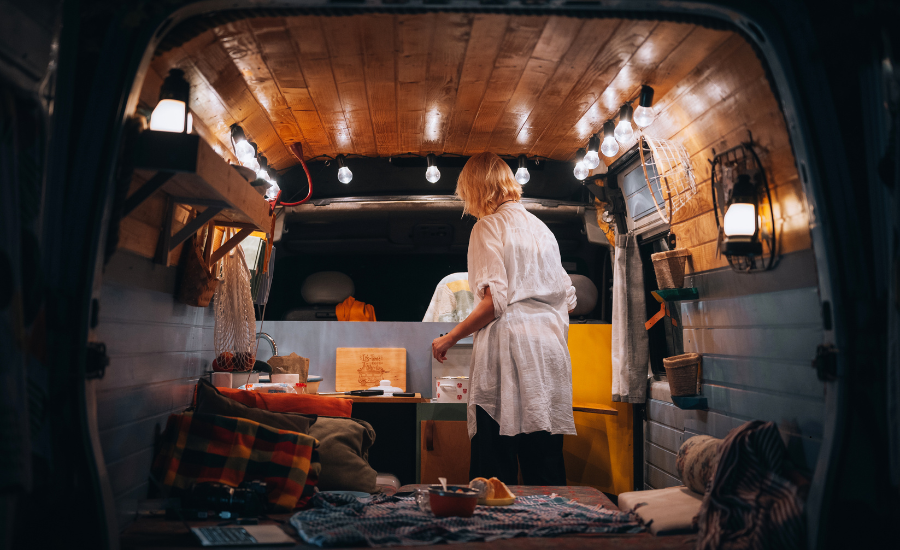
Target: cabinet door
445 451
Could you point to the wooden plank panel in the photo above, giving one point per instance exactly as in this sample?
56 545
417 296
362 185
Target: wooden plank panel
784 343
664 436
664 38
797 414
665 413
121 406
799 307
791 377
710 423
659 479
593 36
120 441
556 39
137 338
620 47
662 459
519 42
445 61
148 368
488 31
380 70
122 302
414 38
130 472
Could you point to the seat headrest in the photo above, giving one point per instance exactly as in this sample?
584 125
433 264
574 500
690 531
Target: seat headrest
327 287
585 293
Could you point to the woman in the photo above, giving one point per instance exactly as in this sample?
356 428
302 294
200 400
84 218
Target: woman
520 389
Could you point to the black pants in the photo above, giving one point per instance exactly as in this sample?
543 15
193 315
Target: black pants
540 454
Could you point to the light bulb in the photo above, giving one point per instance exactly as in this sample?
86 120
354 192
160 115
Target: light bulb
522 175
244 151
610 146
432 174
591 160
344 174
272 191
740 220
581 171
624 131
168 116
252 164
262 174
643 116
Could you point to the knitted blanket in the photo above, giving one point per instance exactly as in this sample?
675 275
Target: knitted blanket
750 503
378 521
200 448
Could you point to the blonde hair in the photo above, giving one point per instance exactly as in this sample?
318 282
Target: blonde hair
486 181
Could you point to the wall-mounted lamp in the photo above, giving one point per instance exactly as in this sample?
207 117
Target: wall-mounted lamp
172 113
592 159
742 237
624 132
344 173
522 175
432 174
610 146
581 171
644 114
740 223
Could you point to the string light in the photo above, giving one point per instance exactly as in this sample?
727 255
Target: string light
592 159
610 146
624 131
432 174
644 114
344 173
522 175
581 171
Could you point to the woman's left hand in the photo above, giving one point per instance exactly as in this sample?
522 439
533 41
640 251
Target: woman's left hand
440 345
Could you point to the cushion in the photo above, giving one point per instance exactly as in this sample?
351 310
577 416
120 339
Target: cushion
664 511
696 460
292 402
210 401
344 452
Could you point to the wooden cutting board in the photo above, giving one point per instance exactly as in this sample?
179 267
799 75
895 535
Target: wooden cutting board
364 368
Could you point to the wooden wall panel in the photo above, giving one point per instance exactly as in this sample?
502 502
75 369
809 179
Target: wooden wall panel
393 84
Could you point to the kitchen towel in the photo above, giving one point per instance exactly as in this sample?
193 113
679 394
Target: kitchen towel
630 345
343 520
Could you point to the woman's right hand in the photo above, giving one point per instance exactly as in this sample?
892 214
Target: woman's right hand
440 345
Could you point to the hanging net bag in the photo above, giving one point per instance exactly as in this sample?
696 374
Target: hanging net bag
669 175
235 338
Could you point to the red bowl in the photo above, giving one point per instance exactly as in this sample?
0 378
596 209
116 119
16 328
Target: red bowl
449 503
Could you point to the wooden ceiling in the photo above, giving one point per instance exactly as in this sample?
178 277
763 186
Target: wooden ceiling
387 84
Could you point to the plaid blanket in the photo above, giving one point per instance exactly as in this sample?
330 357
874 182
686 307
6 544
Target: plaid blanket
200 448
342 520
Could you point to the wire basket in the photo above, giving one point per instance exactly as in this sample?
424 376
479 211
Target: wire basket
669 175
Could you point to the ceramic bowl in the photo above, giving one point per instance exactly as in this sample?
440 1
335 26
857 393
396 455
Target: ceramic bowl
454 502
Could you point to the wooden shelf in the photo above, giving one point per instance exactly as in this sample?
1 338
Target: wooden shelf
187 169
691 403
595 408
382 399
676 294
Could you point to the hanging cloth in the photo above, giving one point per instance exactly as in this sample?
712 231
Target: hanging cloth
352 309
630 344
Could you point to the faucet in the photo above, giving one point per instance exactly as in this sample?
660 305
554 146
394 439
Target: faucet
270 340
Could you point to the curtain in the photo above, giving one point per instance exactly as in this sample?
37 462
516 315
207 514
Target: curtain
630 346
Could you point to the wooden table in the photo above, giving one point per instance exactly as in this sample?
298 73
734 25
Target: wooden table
157 532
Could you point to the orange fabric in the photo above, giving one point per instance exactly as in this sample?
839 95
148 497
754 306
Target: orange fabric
352 309
291 402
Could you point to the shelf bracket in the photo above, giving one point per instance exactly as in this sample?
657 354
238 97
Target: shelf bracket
232 242
193 226
145 191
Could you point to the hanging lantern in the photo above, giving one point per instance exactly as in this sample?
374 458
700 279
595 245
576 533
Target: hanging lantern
741 223
172 113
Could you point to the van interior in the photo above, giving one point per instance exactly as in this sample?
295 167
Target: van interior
721 179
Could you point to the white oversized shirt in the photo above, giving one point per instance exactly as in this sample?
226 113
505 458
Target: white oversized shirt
521 373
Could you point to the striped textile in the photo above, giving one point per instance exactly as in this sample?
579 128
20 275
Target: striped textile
749 503
201 448
337 520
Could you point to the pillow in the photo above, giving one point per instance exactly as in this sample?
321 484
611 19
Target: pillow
664 511
344 453
292 402
210 401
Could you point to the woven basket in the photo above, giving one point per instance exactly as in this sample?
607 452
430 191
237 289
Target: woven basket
683 373
669 267
198 284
